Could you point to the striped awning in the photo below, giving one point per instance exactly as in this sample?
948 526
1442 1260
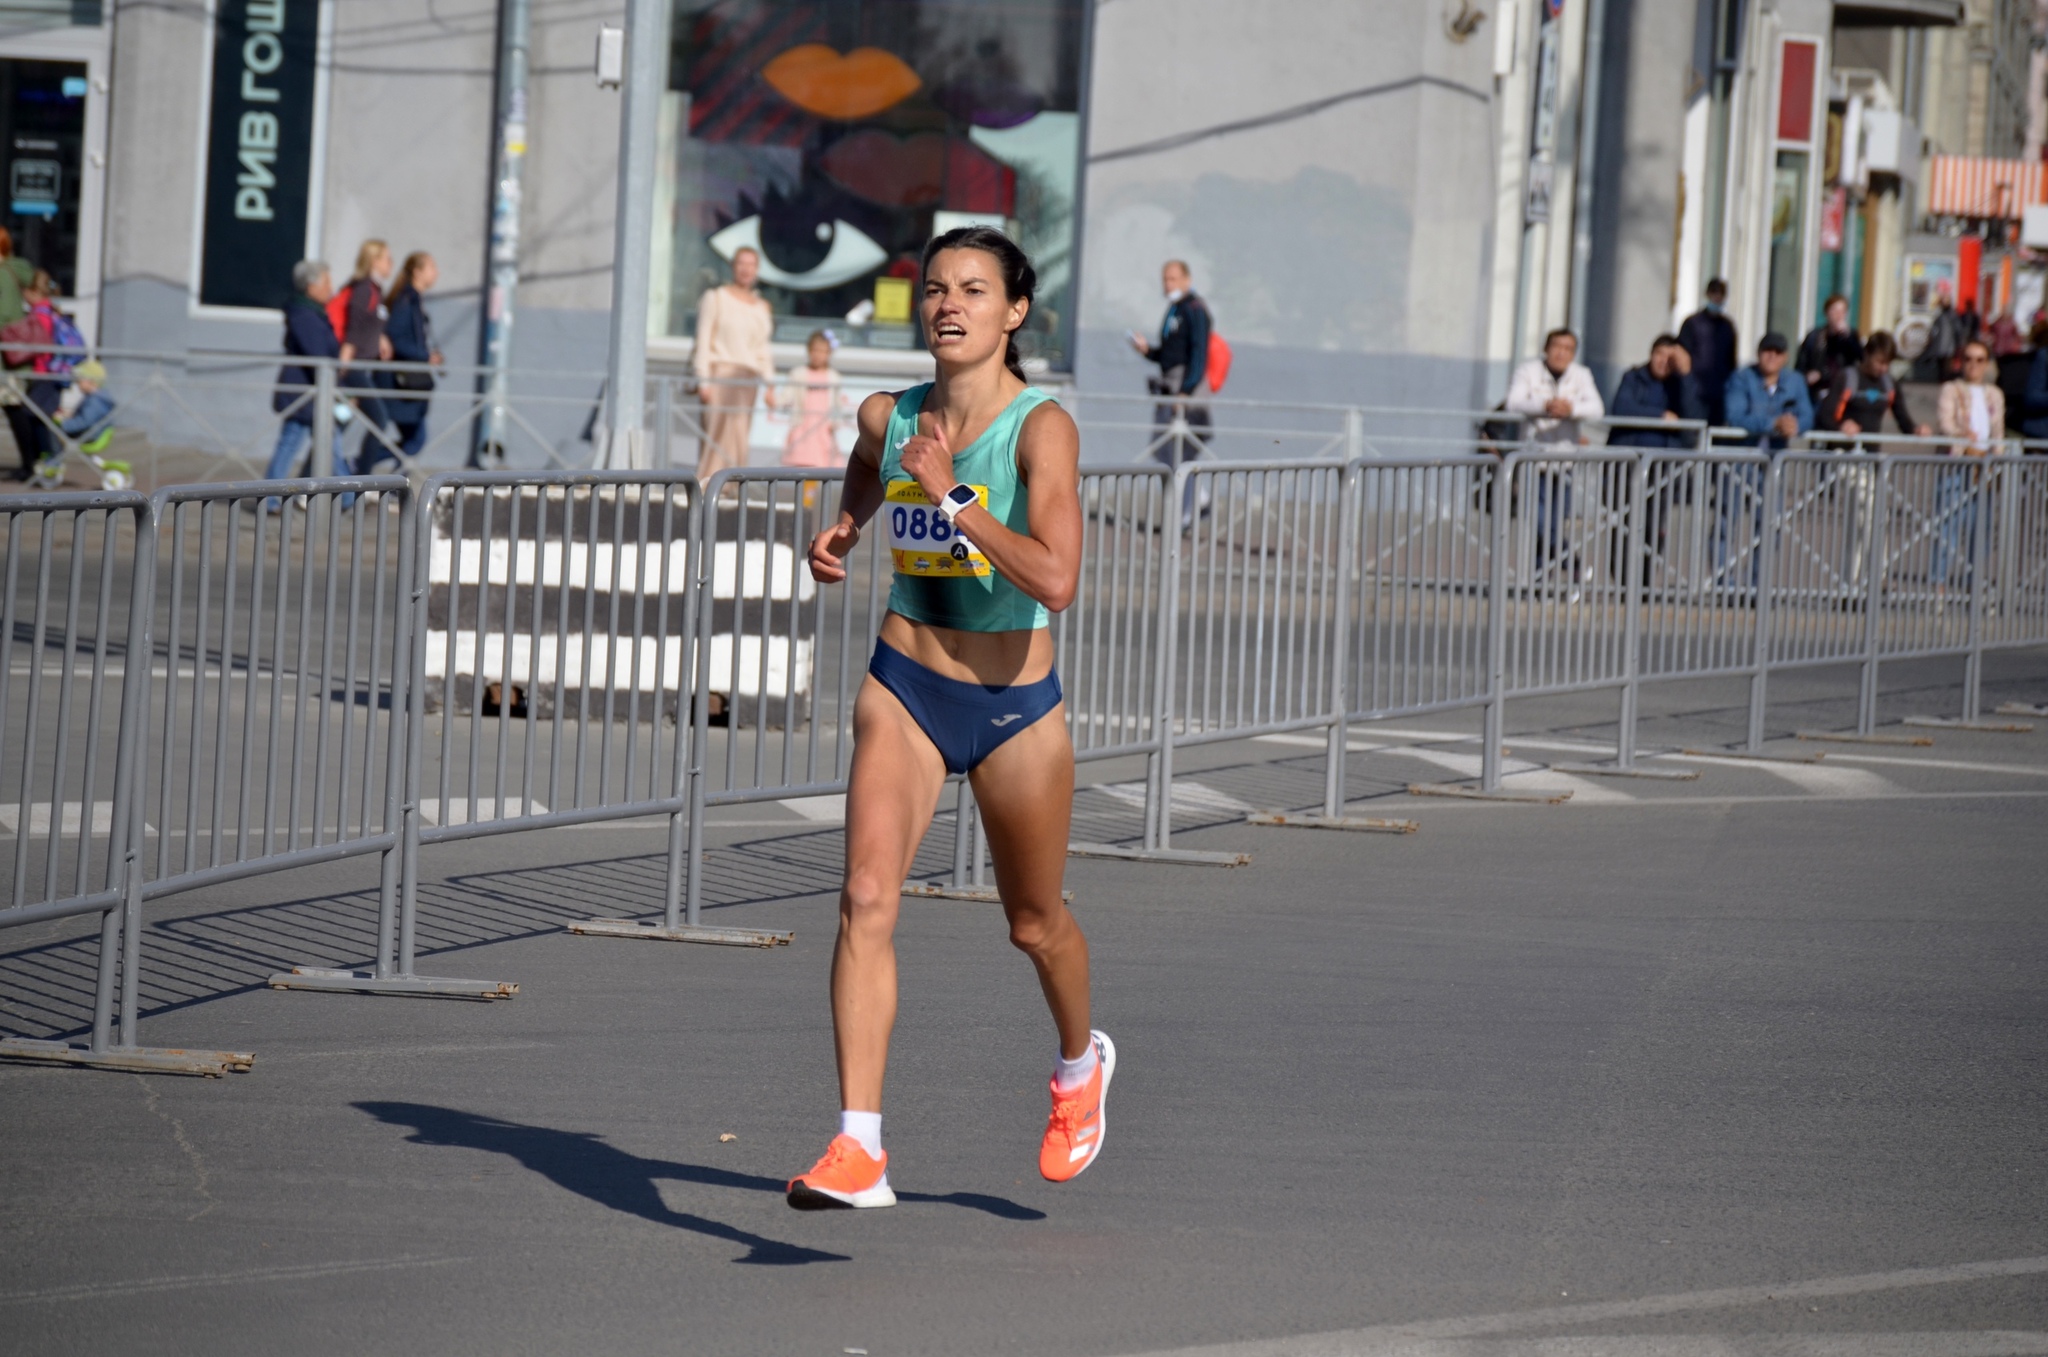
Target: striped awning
1977 186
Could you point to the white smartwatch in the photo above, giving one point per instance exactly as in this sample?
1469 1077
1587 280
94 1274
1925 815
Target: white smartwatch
956 499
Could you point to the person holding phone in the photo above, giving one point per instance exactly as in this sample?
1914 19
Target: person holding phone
975 477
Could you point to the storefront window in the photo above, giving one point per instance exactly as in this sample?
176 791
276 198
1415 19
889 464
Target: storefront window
837 136
1788 241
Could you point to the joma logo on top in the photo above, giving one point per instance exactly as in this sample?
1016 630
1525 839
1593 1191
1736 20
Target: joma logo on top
262 54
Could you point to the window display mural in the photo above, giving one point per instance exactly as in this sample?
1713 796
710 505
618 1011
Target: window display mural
835 137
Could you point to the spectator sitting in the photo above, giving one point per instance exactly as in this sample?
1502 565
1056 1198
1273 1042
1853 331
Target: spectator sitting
1771 408
86 413
1662 388
1768 408
1709 336
1558 393
1556 390
1829 347
1861 396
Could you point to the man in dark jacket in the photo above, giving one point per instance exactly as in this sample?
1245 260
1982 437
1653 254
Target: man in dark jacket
1709 336
1183 357
307 334
1829 347
1662 389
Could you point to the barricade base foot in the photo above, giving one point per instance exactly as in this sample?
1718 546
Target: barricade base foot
2019 709
1186 857
1363 824
1815 757
1956 723
366 982
131 1060
655 932
1616 770
1851 737
934 890
1481 794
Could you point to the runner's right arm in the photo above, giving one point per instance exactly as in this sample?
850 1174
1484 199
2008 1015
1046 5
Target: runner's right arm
859 496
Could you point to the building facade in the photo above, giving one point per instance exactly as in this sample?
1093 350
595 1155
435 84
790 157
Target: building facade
1383 201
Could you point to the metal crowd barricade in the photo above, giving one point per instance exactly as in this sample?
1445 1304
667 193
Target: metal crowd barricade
783 657
1703 610
86 621
280 613
553 636
1249 620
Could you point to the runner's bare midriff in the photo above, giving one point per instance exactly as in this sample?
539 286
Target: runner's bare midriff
995 658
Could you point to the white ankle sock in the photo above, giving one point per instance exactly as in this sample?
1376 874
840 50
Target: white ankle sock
1071 1074
866 1127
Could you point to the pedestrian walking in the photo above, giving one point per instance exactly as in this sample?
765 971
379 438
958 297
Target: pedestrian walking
358 316
986 543
1662 389
817 407
410 333
16 274
1709 336
1971 410
1555 392
1829 347
307 334
1182 353
732 362
1771 407
28 342
1856 405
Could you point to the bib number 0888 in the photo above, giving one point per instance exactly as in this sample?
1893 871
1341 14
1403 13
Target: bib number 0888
918 523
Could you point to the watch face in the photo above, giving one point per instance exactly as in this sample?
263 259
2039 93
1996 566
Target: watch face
961 496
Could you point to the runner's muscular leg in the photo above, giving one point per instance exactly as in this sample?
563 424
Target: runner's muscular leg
892 790
1025 791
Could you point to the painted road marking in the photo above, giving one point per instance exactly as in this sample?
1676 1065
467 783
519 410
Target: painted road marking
1423 1337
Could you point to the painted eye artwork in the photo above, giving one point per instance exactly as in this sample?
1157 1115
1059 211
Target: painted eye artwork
850 253
835 137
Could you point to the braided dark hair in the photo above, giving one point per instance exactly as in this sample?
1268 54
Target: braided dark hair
1020 280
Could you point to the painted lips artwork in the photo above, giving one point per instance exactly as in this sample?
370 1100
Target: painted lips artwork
835 136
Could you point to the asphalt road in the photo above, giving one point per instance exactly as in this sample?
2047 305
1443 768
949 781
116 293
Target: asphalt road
1751 1064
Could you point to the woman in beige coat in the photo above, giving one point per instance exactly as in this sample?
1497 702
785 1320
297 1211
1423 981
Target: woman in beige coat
1972 412
734 326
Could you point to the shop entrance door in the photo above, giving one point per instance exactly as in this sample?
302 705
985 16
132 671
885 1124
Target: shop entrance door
42 137
53 105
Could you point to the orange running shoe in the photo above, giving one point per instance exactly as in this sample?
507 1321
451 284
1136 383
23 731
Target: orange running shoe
1074 1132
844 1176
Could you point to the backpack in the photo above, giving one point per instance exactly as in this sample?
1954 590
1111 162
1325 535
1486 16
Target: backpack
65 333
337 306
29 329
1218 368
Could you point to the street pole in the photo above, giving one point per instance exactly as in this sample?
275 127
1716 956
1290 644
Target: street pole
625 443
501 281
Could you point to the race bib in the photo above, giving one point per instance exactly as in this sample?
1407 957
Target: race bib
922 541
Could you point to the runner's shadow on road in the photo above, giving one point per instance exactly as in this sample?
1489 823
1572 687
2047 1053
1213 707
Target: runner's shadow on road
581 1162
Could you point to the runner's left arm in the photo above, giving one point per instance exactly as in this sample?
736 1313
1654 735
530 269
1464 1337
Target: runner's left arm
1045 560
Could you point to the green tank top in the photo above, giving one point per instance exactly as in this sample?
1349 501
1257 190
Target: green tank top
940 578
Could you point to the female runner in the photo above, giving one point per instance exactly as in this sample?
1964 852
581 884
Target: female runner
984 542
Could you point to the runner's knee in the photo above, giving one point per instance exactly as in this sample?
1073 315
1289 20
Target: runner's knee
870 902
1033 930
